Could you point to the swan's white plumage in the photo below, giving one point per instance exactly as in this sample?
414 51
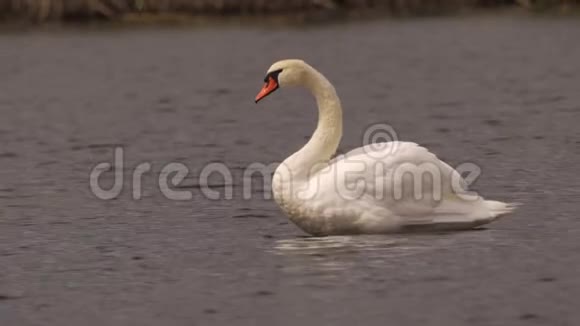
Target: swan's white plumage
369 190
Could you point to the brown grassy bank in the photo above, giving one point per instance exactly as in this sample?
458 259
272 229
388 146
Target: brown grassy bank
118 10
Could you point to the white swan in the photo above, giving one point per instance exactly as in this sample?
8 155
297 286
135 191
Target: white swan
378 188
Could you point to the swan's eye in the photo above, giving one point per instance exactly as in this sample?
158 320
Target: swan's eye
274 74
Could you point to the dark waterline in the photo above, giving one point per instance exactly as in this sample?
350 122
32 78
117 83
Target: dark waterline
501 93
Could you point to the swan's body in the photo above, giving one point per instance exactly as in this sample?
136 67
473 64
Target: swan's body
372 188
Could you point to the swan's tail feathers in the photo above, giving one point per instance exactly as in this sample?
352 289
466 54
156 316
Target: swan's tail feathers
498 208
461 216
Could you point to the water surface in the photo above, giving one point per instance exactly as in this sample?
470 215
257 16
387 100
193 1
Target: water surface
501 93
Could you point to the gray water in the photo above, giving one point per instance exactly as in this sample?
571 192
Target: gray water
503 93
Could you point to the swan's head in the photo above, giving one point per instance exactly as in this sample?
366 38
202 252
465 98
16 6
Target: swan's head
283 73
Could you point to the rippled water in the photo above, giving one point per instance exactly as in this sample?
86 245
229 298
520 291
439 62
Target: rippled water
503 93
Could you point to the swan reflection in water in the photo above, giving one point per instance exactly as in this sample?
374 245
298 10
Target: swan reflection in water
336 253
321 255
337 244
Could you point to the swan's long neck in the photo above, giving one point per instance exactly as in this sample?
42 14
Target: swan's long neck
326 138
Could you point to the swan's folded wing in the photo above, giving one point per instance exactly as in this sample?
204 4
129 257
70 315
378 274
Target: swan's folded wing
402 177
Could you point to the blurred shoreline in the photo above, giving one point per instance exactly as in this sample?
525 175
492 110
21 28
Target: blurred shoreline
276 11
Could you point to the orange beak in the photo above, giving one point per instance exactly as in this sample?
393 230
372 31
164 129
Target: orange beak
270 86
